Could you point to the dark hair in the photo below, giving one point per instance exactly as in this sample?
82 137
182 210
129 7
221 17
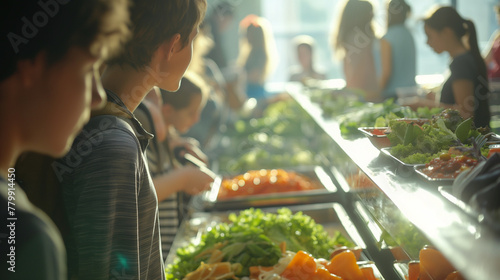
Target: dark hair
191 86
154 22
448 17
31 26
357 14
397 12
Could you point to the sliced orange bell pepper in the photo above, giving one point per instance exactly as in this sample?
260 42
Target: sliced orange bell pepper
413 270
433 265
324 274
344 265
302 267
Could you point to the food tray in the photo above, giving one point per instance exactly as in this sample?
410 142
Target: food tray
387 152
332 216
379 141
326 193
418 170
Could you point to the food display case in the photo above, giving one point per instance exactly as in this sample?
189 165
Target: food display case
386 207
472 246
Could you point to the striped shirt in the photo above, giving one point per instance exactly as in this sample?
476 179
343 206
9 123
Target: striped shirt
110 200
160 161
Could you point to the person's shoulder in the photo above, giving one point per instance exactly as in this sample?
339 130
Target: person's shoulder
106 127
106 137
464 66
464 59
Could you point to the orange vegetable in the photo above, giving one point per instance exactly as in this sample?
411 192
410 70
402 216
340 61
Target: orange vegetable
265 181
344 265
355 250
368 273
324 274
413 270
433 265
302 267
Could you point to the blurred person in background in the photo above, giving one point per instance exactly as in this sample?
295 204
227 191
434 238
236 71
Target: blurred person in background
304 46
218 21
222 102
353 41
258 58
398 55
492 55
466 89
49 82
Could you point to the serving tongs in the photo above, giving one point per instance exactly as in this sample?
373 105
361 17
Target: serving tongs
184 157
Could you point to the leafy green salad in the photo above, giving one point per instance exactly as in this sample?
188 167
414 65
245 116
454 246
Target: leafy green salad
414 144
253 237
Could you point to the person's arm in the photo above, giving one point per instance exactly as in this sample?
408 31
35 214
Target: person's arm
102 201
386 62
463 91
189 179
191 146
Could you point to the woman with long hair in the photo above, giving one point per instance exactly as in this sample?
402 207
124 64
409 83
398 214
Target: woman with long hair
257 54
353 42
466 89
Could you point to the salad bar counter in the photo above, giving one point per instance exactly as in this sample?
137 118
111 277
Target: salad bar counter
467 241
323 186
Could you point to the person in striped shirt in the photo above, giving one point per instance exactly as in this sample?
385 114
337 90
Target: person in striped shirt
166 115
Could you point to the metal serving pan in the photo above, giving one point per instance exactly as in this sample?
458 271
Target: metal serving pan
326 193
332 216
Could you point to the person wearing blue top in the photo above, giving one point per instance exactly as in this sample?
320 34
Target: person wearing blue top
397 49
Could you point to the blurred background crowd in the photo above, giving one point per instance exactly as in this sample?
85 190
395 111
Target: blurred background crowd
302 39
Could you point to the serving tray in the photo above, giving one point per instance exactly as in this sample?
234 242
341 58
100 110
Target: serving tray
387 152
332 216
326 193
418 170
